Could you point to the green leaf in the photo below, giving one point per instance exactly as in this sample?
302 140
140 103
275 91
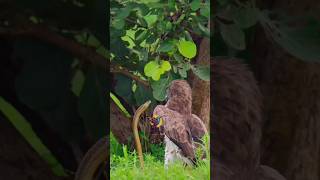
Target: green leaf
171 4
77 82
166 46
142 9
175 70
168 26
165 66
233 36
154 70
183 69
25 129
180 19
187 48
141 35
143 55
118 47
151 20
123 88
204 30
195 5
178 57
203 72
151 39
205 11
182 72
161 27
151 68
123 12
188 36
119 104
92 105
159 88
245 17
118 23
142 94
142 22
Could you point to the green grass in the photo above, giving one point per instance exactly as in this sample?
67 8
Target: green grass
124 165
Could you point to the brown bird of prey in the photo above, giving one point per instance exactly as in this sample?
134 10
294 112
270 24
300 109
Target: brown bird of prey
181 128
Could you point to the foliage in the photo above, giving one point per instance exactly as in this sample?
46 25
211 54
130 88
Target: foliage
67 93
153 40
52 82
237 20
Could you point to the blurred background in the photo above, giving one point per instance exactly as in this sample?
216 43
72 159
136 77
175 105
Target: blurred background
53 92
280 42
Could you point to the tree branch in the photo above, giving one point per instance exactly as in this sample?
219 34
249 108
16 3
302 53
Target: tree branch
42 33
126 72
78 50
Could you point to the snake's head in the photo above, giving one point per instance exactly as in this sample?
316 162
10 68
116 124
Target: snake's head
146 104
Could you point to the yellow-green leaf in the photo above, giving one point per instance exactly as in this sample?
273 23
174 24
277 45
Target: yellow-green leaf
187 48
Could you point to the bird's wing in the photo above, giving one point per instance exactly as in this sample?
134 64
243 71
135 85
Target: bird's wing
197 128
176 130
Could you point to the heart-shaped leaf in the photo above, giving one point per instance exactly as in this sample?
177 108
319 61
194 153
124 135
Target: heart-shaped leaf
154 70
187 48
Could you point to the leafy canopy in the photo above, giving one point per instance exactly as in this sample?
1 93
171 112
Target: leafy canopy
153 39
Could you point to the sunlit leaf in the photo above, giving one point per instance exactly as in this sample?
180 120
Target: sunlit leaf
154 70
187 48
151 19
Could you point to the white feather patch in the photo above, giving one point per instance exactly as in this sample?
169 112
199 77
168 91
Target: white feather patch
173 153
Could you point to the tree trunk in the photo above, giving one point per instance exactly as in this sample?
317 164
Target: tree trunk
200 88
120 125
291 139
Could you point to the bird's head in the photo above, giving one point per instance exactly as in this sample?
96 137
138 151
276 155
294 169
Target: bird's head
179 97
156 121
